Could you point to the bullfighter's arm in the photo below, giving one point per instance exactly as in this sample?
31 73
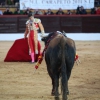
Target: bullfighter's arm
41 28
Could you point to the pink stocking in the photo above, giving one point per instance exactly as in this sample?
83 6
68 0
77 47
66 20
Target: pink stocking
32 56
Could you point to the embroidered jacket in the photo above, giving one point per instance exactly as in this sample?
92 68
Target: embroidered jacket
34 25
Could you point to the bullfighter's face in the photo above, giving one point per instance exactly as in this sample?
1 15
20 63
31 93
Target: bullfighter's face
31 18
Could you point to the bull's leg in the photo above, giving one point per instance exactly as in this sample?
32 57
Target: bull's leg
68 76
53 88
53 74
55 85
67 92
69 68
52 78
36 42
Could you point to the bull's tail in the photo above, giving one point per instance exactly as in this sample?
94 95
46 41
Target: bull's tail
63 70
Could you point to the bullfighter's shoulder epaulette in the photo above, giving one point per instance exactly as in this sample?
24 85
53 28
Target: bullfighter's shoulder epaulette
37 20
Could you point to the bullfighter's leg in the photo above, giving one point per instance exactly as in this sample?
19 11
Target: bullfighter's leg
36 42
29 47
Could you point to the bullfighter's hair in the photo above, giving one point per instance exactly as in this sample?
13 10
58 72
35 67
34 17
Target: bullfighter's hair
30 14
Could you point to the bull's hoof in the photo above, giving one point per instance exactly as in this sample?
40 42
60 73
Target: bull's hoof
55 94
57 98
67 92
52 94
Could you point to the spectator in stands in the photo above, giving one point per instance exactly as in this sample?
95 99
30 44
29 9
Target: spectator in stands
81 10
97 2
97 10
93 10
16 1
78 11
18 12
2 2
27 11
49 12
10 2
7 12
1 13
38 12
69 12
60 12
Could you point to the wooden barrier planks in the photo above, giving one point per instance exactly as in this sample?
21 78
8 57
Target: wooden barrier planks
67 23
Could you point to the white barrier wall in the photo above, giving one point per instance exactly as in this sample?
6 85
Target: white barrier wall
75 36
56 4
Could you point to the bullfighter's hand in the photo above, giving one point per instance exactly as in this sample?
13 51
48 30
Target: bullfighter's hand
41 35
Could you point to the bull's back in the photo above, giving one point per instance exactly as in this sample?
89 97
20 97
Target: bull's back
56 41
70 42
53 52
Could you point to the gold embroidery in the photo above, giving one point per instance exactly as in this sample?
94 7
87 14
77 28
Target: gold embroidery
31 25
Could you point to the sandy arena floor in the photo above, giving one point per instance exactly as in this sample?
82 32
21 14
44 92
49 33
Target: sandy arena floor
17 81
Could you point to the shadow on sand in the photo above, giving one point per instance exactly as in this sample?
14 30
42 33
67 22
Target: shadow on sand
56 98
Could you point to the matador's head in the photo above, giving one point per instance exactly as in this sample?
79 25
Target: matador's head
30 16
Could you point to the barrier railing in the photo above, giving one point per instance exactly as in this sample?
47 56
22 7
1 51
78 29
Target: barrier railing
67 23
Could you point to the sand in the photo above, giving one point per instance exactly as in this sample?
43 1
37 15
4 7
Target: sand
18 82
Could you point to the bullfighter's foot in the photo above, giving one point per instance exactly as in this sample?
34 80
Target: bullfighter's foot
32 62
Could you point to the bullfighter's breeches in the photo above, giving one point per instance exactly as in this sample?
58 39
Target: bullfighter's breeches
33 41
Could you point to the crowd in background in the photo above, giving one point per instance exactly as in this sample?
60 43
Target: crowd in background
79 9
97 3
9 2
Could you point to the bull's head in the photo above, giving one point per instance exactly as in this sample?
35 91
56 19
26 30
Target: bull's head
47 37
44 39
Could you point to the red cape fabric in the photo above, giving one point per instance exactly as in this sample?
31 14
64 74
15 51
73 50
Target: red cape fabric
19 52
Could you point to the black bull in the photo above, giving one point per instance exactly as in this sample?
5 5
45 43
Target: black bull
59 57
